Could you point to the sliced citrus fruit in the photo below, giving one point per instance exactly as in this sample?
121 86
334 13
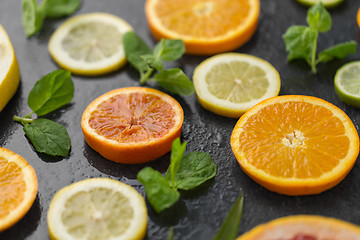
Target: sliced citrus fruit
18 188
295 145
90 44
326 3
358 17
304 227
132 125
9 69
206 27
347 83
229 84
97 208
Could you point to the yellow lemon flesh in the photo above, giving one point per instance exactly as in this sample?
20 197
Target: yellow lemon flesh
9 69
90 44
97 209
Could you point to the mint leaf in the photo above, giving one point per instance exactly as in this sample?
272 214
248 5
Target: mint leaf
177 153
175 81
169 50
299 41
153 61
32 17
48 137
134 48
158 190
195 168
338 51
61 8
319 18
229 228
51 92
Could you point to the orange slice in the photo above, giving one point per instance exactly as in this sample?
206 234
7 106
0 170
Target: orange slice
132 125
295 145
358 17
205 26
18 188
304 227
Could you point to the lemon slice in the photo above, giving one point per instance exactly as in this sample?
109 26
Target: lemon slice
229 84
97 209
9 69
90 44
347 83
326 3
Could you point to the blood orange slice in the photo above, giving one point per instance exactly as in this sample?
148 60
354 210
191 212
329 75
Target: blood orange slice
304 227
132 125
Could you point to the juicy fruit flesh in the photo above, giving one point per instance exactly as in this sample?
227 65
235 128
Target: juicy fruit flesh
133 117
294 140
350 79
240 82
12 187
100 213
80 43
203 18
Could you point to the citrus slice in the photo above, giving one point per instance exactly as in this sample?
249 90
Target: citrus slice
347 83
229 84
326 3
358 17
132 125
295 145
206 27
18 188
9 69
304 227
90 44
97 208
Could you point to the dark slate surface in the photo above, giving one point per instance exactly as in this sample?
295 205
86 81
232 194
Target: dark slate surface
200 212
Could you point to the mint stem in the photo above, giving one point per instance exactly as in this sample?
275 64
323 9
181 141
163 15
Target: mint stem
23 120
146 76
313 57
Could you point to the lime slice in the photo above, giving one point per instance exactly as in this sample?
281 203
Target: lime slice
97 209
326 3
229 84
90 44
347 83
9 69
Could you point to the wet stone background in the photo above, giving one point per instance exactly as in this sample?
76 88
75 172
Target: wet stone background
200 212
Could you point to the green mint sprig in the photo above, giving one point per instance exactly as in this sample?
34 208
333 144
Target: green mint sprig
48 94
33 15
184 172
230 226
301 41
148 61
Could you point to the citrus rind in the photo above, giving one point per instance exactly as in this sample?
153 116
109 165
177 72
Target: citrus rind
298 186
223 107
9 69
306 225
346 96
326 3
132 152
202 45
30 180
81 67
137 228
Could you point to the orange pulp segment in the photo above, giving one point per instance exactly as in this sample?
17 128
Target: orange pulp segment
295 145
304 227
132 125
205 26
18 188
